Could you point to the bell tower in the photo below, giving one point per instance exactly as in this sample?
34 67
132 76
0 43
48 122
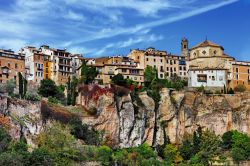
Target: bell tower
184 47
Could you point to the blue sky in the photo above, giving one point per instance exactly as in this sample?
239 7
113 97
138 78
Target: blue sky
113 27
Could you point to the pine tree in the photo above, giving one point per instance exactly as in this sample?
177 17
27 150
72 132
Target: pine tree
73 90
69 91
20 79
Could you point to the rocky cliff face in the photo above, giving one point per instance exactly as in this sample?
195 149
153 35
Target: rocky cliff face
21 118
179 113
127 123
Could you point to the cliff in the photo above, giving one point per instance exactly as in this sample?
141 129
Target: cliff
127 121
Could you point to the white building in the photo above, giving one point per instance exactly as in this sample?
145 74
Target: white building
207 78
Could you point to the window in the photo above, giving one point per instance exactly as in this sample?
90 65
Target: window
202 78
185 46
174 62
161 68
167 68
147 59
161 60
127 77
237 70
138 57
154 60
180 73
154 66
180 68
184 68
135 78
215 51
161 75
167 61
110 77
204 52
124 70
167 74
15 65
8 64
237 76
213 78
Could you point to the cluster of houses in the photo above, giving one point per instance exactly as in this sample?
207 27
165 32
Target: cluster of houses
205 64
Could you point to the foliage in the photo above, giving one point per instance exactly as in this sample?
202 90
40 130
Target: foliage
10 86
230 91
240 150
20 79
171 154
41 156
32 95
11 158
104 154
240 88
119 80
58 140
201 88
227 140
88 73
82 131
150 74
48 88
186 149
53 100
4 140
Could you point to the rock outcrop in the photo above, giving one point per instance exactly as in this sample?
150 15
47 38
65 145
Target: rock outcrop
128 121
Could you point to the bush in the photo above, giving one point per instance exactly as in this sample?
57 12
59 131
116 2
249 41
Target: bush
53 100
240 88
10 86
104 155
201 89
4 140
231 91
41 156
32 95
171 154
11 158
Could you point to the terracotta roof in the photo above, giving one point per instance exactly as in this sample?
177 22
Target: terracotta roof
205 44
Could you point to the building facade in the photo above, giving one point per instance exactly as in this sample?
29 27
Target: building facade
10 65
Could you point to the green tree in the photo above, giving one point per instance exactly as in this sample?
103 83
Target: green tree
73 90
10 86
42 157
58 140
150 75
48 88
69 91
11 158
104 154
4 140
119 80
88 73
240 147
171 154
227 140
186 150
20 79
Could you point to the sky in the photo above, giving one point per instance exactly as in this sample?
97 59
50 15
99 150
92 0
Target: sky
98 28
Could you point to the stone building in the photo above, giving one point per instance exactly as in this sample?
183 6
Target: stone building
10 65
205 58
241 74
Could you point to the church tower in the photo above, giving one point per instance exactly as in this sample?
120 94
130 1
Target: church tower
184 47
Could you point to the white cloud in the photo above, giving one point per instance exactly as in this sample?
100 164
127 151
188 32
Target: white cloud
74 16
108 32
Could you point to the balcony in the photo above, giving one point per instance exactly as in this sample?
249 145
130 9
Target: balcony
110 72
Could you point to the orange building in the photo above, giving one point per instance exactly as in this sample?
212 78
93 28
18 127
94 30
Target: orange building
241 74
10 65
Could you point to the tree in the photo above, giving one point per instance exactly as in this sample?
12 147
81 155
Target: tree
69 91
48 88
240 88
88 73
58 140
10 86
41 156
240 146
20 79
73 90
227 140
171 154
104 154
4 140
186 150
119 80
150 75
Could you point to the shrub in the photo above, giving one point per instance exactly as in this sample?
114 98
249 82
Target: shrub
11 158
227 140
48 88
32 95
240 88
10 86
4 140
41 156
231 91
104 155
171 154
52 100
201 89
